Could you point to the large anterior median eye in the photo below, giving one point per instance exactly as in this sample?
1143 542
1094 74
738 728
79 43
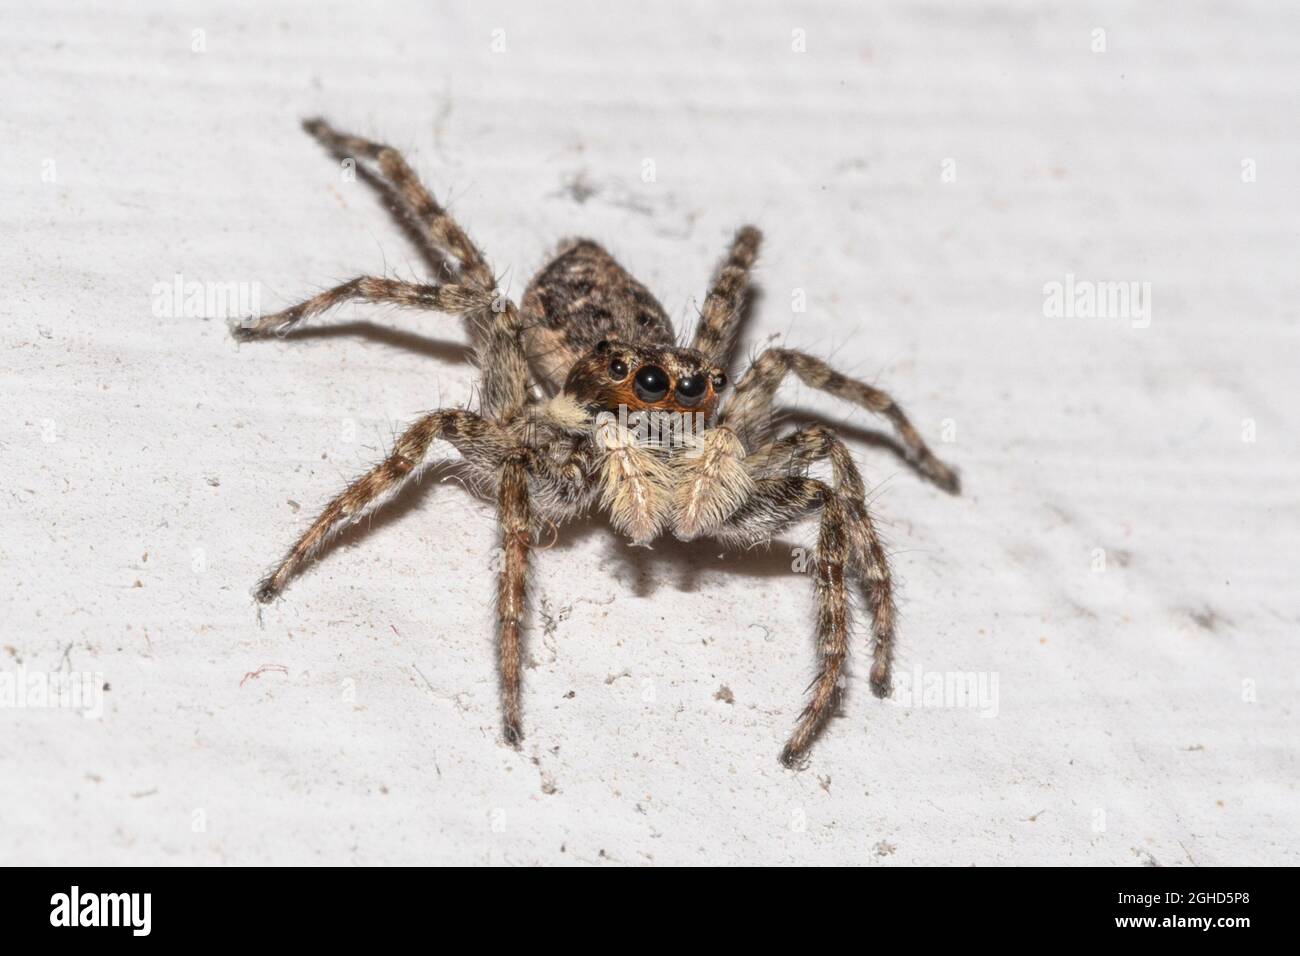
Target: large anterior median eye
690 389
651 383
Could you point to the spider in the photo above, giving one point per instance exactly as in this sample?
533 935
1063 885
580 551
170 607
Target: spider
570 376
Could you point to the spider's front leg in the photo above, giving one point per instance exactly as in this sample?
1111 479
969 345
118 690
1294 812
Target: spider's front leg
774 504
720 316
750 410
545 478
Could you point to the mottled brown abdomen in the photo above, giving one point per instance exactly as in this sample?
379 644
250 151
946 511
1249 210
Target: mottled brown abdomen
580 297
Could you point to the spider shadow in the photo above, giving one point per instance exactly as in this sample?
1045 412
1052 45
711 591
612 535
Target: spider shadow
686 564
424 345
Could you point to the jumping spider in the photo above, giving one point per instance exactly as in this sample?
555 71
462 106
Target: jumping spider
547 442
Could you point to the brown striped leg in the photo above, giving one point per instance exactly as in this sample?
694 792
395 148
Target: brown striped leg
749 411
473 436
833 624
722 306
873 567
505 380
774 504
793 454
452 299
502 361
441 229
495 321
513 515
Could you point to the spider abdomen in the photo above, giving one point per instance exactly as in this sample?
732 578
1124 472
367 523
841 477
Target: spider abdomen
579 298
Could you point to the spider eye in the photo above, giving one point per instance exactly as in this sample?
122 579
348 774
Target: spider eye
690 389
618 370
651 383
719 381
602 346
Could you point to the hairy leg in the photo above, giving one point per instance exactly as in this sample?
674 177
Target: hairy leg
749 411
775 503
873 567
492 317
442 230
720 315
475 437
792 455
452 299
513 515
503 364
563 477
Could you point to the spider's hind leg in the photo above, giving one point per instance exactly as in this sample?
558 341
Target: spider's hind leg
452 299
492 318
514 517
476 438
434 221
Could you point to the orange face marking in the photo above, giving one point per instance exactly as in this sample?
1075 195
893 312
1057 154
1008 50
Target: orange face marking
622 393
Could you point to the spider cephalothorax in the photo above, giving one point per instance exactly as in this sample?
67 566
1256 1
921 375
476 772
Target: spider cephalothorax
574 383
